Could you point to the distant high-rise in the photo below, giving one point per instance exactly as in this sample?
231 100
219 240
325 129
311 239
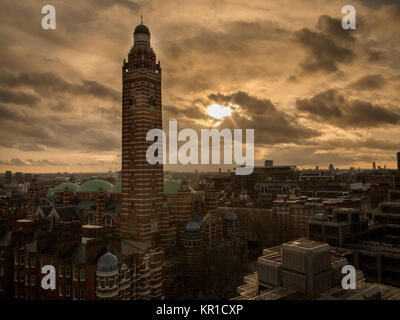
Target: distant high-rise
398 161
19 176
373 165
8 177
269 163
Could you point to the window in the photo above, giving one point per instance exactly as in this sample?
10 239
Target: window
22 276
75 294
1 255
60 270
67 271
33 280
16 277
33 262
82 275
107 221
16 259
75 274
60 291
89 219
1 271
67 291
82 294
107 282
22 260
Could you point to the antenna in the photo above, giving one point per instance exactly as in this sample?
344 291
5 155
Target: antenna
141 19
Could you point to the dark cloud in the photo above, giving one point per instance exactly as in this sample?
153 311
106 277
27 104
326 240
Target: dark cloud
378 3
48 83
327 47
191 112
17 97
30 147
368 143
375 55
369 82
202 58
16 162
134 6
271 126
333 108
29 131
325 54
10 114
333 27
13 162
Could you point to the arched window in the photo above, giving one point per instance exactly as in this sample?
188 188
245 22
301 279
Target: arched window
89 219
107 221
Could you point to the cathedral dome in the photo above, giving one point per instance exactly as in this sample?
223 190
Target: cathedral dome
117 188
171 186
107 262
141 28
66 186
95 185
192 226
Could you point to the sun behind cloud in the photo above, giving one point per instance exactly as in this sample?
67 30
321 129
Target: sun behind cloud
218 112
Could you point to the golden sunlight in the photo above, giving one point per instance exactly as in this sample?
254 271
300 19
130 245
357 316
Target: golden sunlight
218 112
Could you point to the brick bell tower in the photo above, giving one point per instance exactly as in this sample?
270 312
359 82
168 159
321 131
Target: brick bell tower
142 183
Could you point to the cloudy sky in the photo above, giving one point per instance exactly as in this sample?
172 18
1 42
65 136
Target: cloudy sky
314 93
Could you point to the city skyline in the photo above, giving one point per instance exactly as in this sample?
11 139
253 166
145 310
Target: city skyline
321 94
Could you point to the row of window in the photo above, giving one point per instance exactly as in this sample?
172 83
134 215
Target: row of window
82 273
21 261
142 83
67 292
22 278
107 282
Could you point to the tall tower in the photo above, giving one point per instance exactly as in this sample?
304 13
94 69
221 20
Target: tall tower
142 183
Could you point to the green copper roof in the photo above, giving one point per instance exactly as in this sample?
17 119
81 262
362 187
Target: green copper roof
95 185
117 188
61 187
171 186
67 185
